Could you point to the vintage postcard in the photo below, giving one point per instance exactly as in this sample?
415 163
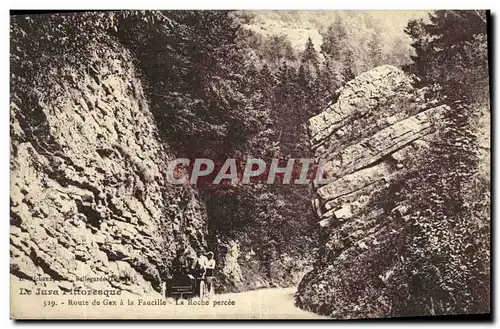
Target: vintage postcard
208 164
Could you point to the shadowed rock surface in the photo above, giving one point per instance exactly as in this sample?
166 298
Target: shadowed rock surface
368 139
89 195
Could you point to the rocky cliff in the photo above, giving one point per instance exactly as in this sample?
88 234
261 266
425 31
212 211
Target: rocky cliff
369 138
89 195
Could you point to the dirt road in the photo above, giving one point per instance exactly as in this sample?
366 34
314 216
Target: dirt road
272 303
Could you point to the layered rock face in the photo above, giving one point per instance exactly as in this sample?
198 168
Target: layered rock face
89 195
368 139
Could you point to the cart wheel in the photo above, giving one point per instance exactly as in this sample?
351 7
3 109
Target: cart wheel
202 289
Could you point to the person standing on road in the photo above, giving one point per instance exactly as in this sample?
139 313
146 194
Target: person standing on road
179 263
200 263
209 274
190 264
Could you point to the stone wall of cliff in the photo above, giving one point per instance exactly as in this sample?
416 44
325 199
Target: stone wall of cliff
369 139
89 195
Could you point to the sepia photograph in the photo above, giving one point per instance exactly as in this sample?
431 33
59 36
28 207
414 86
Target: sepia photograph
250 164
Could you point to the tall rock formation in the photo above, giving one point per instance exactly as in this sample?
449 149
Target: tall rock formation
89 196
369 139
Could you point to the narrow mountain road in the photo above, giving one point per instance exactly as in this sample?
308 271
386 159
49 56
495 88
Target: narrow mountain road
272 303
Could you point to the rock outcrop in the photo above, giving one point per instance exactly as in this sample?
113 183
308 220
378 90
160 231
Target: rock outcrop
89 196
369 139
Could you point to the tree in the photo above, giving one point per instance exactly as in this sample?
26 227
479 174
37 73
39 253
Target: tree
329 80
200 97
447 244
277 48
310 55
422 61
375 49
334 40
451 52
309 64
347 69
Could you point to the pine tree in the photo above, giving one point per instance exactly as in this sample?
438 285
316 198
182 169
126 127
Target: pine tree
375 49
451 51
267 82
310 55
305 83
423 59
277 48
334 40
310 60
348 66
326 79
